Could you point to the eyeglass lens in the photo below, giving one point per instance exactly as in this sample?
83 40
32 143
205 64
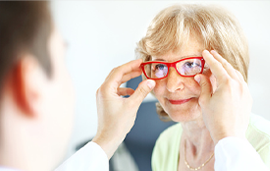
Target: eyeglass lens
187 67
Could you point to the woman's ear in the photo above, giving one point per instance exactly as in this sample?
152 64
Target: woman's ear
27 82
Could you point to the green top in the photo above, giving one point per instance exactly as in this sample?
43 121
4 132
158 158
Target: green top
165 156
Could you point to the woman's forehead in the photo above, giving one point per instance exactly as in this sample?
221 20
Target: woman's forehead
174 57
189 50
192 47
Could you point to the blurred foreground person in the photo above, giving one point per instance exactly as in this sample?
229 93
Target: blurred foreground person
37 101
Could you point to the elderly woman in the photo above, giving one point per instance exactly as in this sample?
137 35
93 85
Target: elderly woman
176 49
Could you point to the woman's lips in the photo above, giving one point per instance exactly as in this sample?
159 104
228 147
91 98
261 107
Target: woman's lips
177 102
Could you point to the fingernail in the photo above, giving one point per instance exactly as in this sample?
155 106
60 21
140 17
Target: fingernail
205 51
213 51
197 78
151 83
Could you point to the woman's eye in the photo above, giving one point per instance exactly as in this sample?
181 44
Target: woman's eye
159 67
192 64
189 64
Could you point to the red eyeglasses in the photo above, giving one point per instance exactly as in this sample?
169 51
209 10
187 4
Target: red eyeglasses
187 67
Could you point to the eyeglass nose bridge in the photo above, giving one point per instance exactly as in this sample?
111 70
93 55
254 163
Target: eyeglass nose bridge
169 65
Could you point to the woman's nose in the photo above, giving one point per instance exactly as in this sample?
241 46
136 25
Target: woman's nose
175 82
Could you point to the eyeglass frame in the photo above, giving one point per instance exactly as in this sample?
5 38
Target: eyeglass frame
172 64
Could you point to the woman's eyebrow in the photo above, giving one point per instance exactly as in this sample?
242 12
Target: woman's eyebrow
158 59
182 57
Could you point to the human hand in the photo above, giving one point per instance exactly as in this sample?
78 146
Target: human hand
116 114
225 111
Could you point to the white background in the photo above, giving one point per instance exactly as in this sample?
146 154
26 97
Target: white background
103 34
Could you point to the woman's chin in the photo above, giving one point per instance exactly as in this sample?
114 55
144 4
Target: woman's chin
183 112
184 116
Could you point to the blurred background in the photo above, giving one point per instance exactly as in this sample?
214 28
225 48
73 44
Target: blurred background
103 34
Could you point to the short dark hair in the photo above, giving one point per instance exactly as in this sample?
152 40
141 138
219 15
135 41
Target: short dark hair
24 27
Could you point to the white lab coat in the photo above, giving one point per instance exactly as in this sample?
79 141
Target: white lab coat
231 154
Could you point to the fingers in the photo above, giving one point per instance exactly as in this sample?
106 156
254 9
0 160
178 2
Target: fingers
117 74
122 74
227 66
214 65
206 89
131 75
125 91
240 76
141 92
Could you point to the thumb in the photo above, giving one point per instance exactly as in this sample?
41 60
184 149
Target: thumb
206 89
141 92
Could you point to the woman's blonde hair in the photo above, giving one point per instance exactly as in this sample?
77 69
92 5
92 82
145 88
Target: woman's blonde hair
217 28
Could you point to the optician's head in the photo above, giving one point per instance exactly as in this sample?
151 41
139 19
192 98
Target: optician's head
180 32
36 96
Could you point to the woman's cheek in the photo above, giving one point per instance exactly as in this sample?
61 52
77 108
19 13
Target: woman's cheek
158 91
